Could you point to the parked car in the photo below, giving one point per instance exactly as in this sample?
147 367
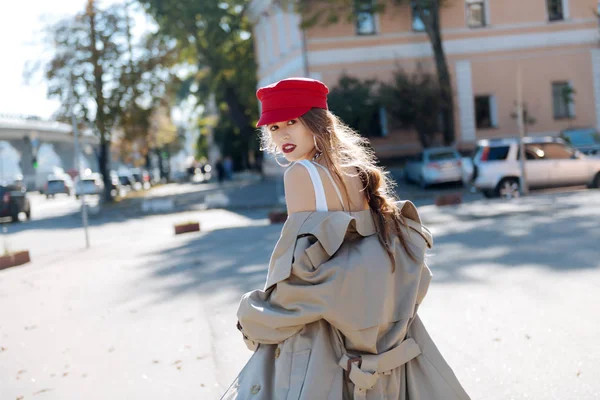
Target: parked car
586 140
58 185
142 178
89 185
435 165
13 201
128 181
549 162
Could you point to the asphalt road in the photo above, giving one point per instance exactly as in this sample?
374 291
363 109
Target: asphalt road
144 314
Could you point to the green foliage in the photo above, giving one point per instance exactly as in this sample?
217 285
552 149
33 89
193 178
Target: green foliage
201 147
327 12
414 101
231 142
101 75
356 103
214 43
132 75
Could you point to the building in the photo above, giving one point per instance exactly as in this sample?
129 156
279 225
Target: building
556 43
31 149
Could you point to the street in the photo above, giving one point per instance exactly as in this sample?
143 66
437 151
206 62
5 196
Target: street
144 314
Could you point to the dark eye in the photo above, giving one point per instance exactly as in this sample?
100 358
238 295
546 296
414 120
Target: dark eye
273 128
291 122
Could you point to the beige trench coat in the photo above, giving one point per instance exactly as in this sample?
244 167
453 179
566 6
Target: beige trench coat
335 322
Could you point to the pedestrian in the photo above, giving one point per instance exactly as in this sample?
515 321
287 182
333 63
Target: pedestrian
228 167
337 318
220 170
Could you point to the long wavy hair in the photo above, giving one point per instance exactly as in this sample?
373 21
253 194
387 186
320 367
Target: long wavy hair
345 150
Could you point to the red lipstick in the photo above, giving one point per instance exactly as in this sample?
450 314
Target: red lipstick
288 148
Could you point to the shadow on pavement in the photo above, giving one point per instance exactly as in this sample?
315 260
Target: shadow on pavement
234 261
556 241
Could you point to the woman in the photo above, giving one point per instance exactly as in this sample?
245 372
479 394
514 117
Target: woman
337 317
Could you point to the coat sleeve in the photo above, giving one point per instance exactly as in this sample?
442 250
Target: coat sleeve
280 311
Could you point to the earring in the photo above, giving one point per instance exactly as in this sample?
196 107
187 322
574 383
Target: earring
277 160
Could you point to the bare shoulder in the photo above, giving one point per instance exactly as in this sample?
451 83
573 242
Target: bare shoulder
299 191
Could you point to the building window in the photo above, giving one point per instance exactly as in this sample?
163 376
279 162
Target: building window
556 11
365 18
476 13
417 23
562 100
485 112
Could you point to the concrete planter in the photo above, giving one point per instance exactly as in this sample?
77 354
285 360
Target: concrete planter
14 259
451 199
187 227
278 217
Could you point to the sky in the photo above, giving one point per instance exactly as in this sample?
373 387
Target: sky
21 42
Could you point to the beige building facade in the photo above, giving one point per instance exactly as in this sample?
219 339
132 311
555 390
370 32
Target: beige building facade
555 43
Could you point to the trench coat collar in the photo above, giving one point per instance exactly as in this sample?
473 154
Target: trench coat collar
329 227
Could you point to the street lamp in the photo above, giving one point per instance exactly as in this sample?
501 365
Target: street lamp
521 123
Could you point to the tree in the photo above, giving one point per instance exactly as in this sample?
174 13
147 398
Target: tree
97 73
414 101
215 46
357 104
332 11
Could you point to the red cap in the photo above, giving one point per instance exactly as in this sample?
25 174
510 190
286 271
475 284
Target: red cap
290 98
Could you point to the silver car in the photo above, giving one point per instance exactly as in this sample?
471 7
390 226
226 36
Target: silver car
90 185
435 165
549 162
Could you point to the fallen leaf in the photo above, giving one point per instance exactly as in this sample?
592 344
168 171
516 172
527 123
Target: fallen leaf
179 367
578 373
2 349
65 374
111 349
200 357
21 371
42 391
497 339
52 375
177 362
527 337
155 361
31 327
84 375
188 320
202 385
20 397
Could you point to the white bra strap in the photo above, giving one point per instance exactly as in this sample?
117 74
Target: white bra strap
321 200
337 190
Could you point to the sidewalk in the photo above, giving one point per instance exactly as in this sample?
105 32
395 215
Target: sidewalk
246 191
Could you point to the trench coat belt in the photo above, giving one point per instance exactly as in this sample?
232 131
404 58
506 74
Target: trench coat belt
364 370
